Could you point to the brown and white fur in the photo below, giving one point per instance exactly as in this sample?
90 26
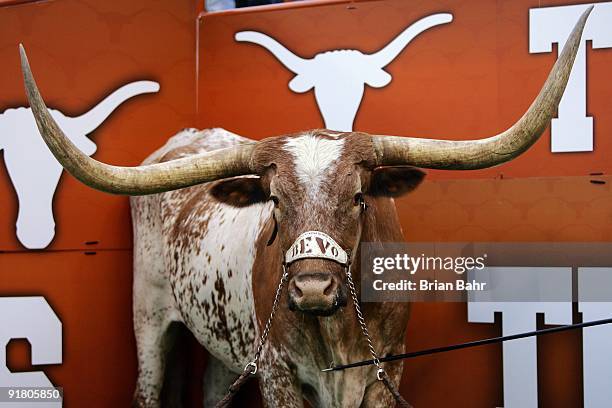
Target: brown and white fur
201 259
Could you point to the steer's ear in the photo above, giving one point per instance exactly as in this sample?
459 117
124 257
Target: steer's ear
240 191
394 181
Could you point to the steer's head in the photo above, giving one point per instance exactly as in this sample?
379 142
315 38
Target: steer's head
316 179
319 182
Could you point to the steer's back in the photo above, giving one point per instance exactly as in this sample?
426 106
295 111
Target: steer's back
193 256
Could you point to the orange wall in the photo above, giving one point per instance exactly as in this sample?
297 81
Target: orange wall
81 50
471 78
551 209
455 81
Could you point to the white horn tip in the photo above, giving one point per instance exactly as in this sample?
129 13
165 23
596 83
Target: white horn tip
22 53
140 87
153 86
241 35
440 18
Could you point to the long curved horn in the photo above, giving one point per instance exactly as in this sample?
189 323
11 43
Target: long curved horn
483 153
90 120
286 57
149 179
383 57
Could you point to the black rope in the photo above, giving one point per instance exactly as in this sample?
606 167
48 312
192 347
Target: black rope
476 343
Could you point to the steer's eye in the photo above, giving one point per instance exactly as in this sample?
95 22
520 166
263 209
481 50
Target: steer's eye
358 199
274 200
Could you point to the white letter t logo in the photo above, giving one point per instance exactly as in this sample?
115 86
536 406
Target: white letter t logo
572 131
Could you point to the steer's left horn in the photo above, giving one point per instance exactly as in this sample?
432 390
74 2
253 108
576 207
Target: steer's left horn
479 154
149 179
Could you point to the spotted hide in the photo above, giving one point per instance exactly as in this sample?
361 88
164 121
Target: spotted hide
209 257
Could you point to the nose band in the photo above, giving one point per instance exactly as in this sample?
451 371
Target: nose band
316 244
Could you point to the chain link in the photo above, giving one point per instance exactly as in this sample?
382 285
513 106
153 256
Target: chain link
252 366
381 375
362 323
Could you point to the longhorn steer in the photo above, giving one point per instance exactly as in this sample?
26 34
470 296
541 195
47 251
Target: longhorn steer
201 256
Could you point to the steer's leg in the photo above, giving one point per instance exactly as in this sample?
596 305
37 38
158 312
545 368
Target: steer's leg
279 385
377 395
153 315
217 379
153 341
153 303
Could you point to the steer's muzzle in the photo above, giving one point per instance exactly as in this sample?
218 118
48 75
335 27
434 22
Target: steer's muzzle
316 293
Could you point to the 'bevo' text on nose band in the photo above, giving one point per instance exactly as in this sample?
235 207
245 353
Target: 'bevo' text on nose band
316 244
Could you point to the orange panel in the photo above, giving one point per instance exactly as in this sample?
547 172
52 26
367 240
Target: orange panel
107 44
471 78
514 210
91 294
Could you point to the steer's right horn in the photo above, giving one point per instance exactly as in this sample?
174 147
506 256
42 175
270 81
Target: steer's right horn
149 179
494 150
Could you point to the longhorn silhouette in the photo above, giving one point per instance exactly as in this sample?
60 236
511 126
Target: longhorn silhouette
33 170
338 76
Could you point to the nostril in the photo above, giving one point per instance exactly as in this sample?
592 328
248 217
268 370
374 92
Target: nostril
313 285
330 288
295 290
316 293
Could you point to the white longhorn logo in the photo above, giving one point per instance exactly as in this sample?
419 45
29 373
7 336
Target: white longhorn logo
33 169
338 77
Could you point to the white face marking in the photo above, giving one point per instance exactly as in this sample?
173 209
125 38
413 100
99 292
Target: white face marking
313 158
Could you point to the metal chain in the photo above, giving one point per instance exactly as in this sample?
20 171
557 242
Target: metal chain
252 366
362 323
381 374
